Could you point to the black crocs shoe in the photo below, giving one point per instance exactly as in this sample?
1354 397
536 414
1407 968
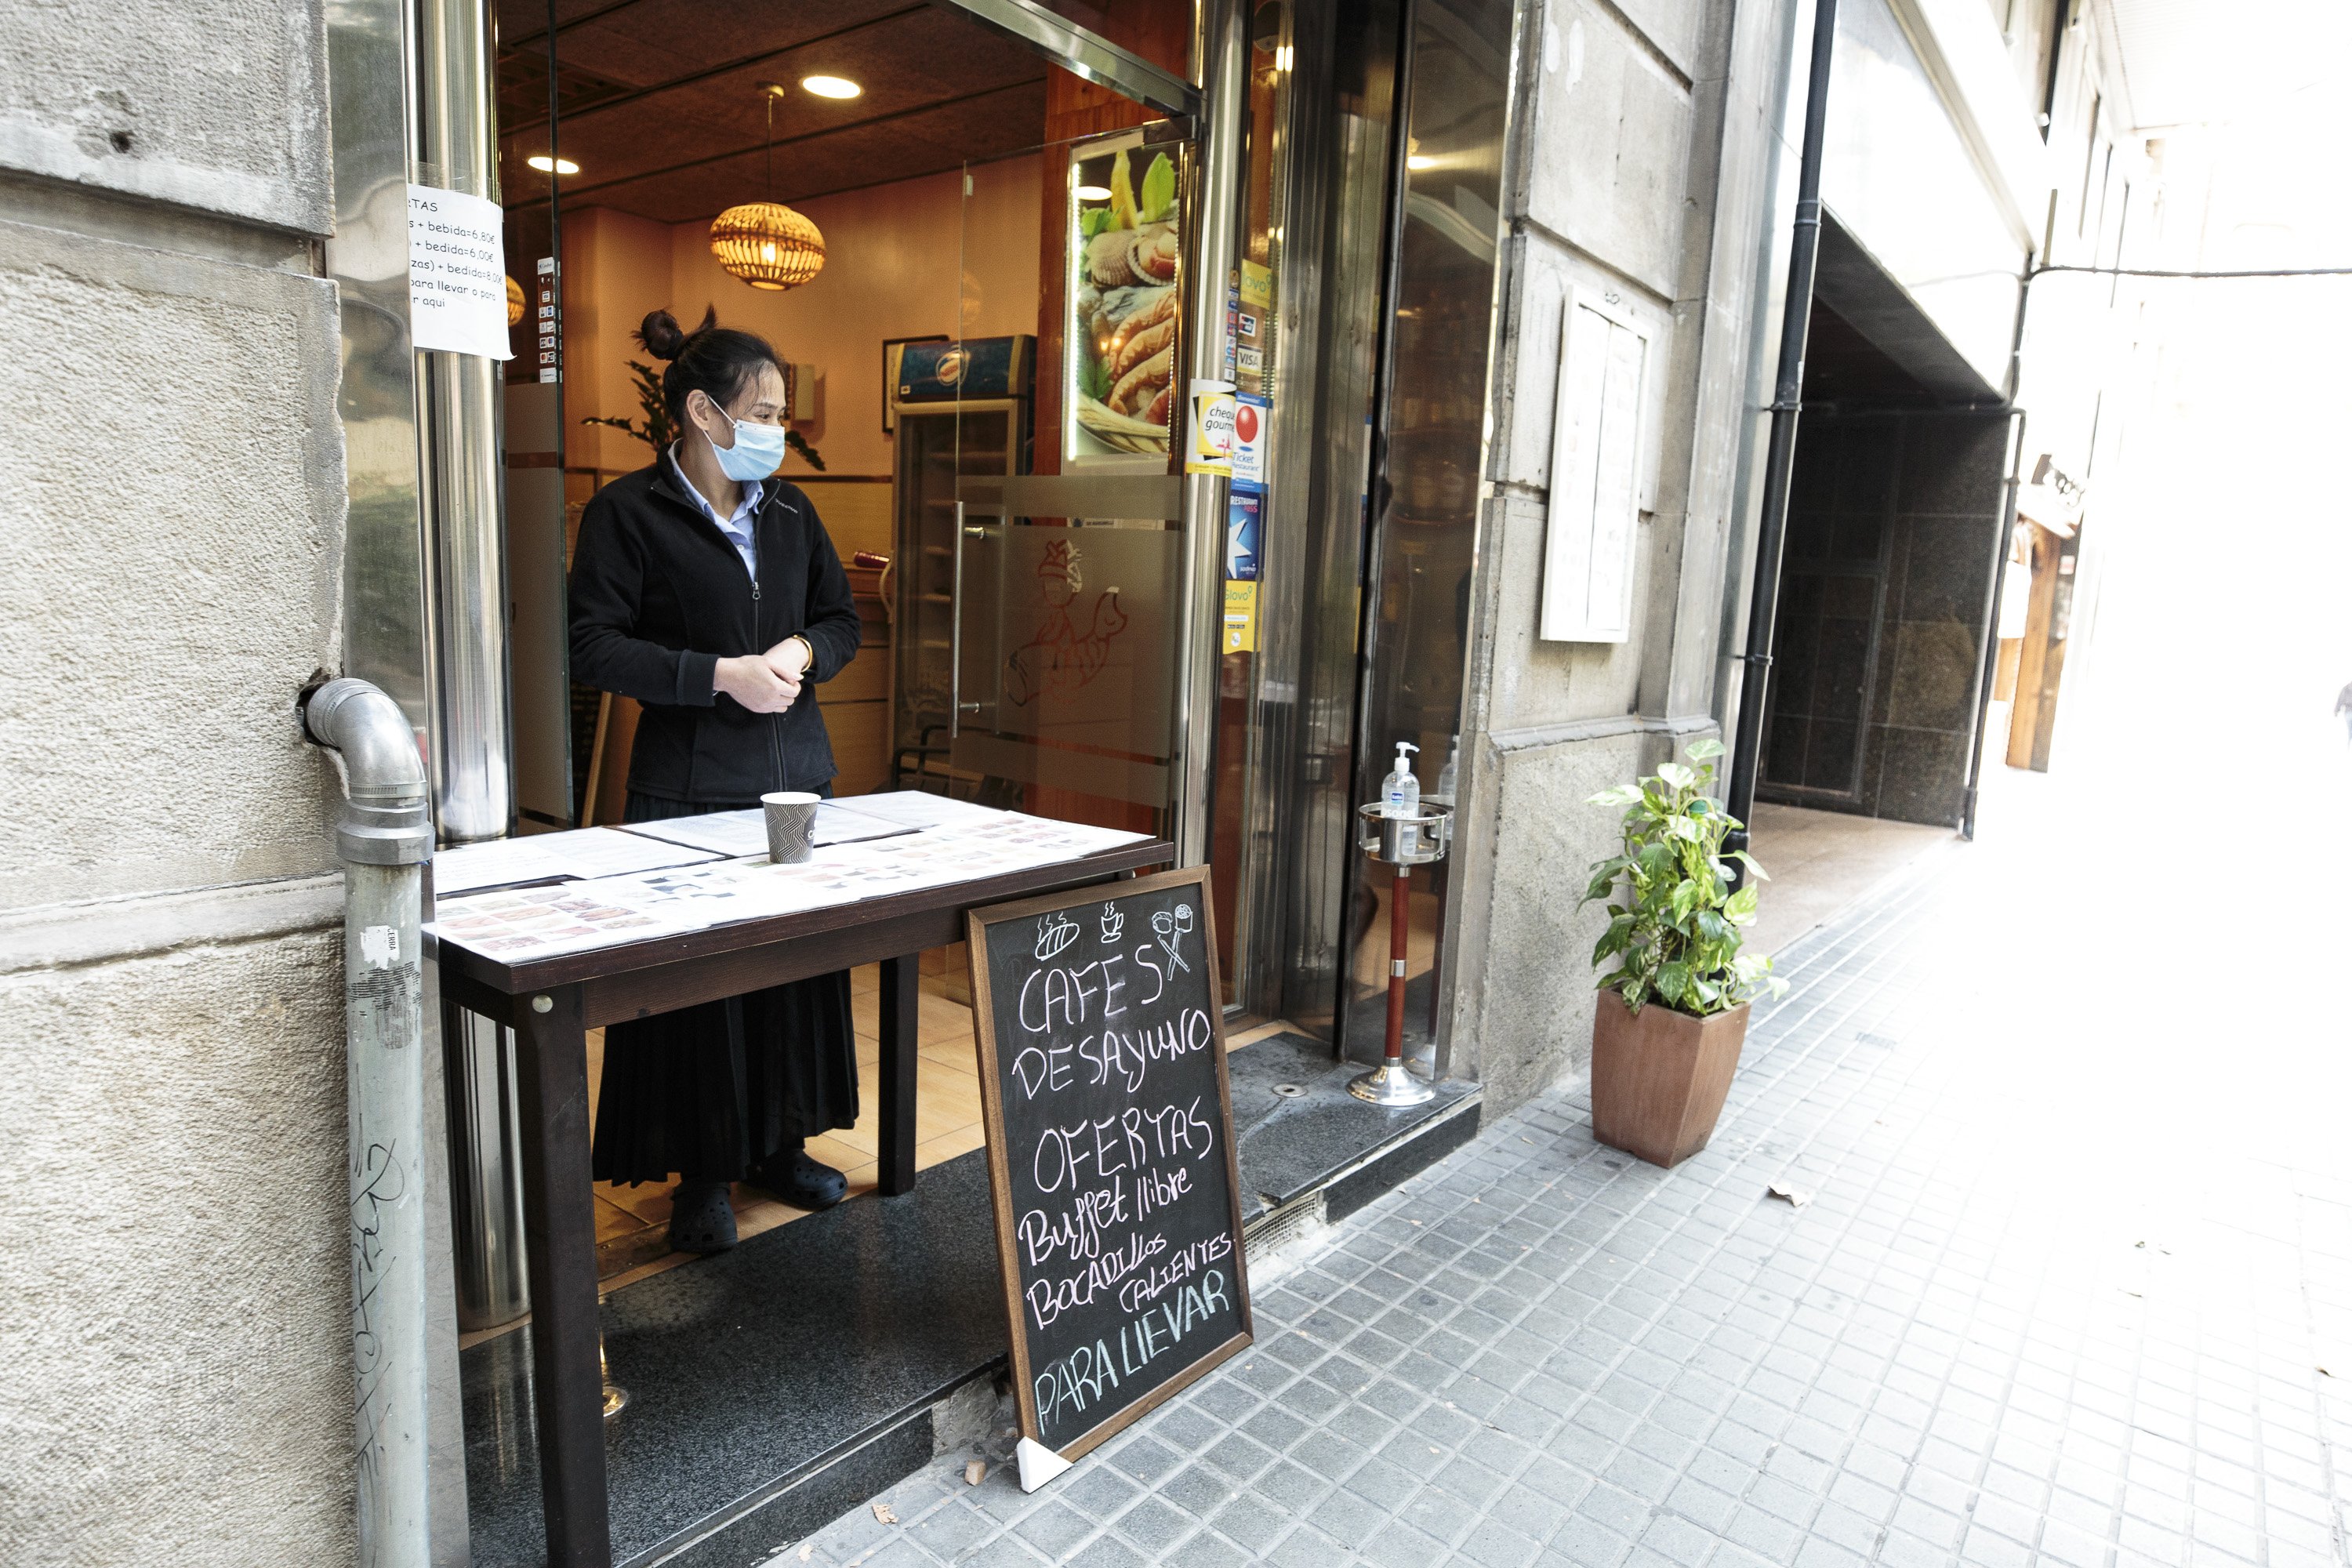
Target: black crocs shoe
700 1217
799 1181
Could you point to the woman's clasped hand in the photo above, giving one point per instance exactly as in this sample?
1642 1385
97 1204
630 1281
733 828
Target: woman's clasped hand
766 682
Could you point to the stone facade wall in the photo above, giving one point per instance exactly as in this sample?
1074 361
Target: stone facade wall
177 1388
1644 147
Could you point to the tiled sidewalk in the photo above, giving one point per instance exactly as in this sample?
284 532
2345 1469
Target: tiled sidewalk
2029 1315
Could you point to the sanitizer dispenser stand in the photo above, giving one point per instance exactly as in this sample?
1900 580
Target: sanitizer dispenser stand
1401 843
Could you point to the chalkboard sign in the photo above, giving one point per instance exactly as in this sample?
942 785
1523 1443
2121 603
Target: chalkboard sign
1110 1149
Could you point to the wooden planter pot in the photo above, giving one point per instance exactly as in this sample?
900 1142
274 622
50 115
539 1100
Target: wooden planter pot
1659 1079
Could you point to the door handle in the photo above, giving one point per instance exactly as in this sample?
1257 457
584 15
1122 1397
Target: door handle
957 706
955 628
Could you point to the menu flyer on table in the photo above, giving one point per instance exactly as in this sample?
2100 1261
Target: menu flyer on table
691 873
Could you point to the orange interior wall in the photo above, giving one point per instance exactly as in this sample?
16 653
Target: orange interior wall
901 261
615 268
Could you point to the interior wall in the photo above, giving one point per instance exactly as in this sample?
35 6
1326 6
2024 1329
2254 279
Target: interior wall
616 267
900 261
1917 497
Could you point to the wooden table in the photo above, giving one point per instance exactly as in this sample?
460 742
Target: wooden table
552 1004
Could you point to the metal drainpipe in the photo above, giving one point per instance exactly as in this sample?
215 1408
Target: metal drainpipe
384 838
1788 390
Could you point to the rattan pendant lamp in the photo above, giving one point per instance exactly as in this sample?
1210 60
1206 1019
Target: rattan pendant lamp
767 244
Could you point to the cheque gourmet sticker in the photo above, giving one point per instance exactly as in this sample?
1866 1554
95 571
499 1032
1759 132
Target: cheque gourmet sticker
1209 434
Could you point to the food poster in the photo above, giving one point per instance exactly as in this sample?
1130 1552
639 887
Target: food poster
1124 300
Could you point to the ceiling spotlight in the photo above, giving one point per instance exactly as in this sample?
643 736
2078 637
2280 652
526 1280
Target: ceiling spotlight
1094 193
831 85
547 165
1420 160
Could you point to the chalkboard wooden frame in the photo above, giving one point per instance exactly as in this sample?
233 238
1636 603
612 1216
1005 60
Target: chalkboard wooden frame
1000 1186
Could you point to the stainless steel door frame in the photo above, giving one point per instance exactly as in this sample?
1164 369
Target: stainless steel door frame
459 413
1087 54
1224 68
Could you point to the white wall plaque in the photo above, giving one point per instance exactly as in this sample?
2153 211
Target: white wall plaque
456 273
1596 452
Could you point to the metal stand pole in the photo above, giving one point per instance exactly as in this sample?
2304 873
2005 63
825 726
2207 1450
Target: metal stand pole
1403 843
1400 896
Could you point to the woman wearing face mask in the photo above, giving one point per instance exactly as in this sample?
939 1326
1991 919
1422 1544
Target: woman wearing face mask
705 588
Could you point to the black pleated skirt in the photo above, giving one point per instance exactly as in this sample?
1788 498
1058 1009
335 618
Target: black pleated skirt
709 1092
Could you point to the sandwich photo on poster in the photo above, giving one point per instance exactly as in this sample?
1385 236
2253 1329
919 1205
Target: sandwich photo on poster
1124 302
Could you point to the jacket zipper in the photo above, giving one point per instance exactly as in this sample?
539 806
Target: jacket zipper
775 740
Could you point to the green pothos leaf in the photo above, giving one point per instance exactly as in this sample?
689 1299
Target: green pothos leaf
1674 929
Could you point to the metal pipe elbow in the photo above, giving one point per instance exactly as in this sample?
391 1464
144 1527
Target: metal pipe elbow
385 821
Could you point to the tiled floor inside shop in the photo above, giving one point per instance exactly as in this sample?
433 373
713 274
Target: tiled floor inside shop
2047 1288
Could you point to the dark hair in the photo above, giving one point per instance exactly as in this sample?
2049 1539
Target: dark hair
717 361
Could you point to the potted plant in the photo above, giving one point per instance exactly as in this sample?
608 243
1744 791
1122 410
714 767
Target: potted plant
1674 1010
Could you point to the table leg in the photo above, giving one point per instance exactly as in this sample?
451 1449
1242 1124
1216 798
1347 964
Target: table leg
559 1239
901 1043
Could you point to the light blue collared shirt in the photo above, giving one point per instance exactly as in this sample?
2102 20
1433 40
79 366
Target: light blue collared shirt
741 529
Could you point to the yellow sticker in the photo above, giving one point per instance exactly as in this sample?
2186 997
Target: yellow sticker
1241 617
1257 285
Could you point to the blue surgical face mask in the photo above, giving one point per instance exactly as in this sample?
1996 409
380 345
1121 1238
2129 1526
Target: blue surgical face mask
757 452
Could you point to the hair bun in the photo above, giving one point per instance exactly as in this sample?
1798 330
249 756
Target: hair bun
661 336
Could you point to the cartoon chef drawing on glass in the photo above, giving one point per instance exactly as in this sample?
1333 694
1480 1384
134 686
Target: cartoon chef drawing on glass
1062 657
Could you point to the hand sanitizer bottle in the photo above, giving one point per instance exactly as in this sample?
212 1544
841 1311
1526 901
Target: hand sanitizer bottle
1401 792
1447 774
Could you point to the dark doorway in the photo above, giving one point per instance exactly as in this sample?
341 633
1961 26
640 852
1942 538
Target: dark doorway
1895 510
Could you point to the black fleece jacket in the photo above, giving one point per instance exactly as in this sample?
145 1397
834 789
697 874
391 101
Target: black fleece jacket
659 596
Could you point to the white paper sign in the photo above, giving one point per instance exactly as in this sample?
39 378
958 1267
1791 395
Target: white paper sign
456 273
1590 531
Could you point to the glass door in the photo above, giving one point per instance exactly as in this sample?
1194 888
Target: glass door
1064 559
1426 490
